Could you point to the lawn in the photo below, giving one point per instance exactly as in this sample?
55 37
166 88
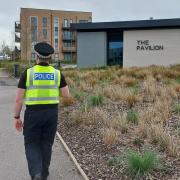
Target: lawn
124 123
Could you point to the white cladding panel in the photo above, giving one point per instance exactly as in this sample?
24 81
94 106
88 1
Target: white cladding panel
169 39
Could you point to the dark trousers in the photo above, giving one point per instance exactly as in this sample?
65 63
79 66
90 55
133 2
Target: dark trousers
39 131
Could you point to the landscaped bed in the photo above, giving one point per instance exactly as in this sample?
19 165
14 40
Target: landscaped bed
124 123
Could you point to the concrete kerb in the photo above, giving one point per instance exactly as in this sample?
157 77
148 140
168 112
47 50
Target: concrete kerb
72 157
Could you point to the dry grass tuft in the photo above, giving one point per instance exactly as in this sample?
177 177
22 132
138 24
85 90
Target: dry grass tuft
130 98
177 88
67 101
116 92
141 130
110 136
150 89
120 123
90 116
159 136
70 82
128 81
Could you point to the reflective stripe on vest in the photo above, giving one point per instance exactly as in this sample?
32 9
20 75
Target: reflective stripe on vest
38 91
42 99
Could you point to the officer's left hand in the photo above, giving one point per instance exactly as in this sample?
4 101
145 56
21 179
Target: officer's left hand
18 125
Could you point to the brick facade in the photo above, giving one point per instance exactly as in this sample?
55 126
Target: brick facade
66 46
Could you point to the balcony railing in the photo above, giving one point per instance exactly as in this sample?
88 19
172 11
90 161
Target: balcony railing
69 38
65 26
17 27
68 49
17 39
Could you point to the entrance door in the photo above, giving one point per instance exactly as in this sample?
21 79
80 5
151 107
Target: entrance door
115 48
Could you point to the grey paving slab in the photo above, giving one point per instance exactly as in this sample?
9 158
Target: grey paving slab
13 164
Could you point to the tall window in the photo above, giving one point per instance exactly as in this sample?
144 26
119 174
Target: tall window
34 29
56 33
45 33
33 21
67 35
67 56
44 21
115 48
68 44
70 22
65 23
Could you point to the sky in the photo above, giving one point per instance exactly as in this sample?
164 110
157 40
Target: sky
103 10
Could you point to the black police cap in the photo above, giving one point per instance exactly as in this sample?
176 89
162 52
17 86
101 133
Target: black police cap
44 50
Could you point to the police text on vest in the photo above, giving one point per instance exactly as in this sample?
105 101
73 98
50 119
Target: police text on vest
43 76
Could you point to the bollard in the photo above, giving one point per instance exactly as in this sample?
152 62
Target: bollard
16 70
59 64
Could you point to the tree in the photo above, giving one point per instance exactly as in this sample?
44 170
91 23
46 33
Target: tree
5 49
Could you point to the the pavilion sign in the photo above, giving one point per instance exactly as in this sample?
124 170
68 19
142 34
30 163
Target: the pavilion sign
146 45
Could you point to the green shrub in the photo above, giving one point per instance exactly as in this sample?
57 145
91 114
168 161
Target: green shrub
176 108
139 164
135 89
138 142
115 161
76 94
178 80
104 83
132 116
9 65
96 100
84 106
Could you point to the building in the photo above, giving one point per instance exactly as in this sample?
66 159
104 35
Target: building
52 26
128 43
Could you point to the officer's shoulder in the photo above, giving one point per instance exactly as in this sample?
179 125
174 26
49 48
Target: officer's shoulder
54 68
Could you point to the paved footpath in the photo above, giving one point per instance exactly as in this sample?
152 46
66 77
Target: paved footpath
13 164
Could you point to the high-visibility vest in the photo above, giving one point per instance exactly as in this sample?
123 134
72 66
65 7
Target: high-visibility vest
42 85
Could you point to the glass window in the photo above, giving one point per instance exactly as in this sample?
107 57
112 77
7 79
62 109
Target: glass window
45 33
56 28
33 29
56 21
67 44
67 56
34 21
56 33
65 24
33 35
70 22
115 48
67 34
56 44
44 20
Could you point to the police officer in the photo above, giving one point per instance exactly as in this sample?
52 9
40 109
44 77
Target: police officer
39 89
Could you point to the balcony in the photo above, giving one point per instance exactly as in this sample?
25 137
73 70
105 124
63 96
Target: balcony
66 27
17 50
17 27
17 39
69 38
69 49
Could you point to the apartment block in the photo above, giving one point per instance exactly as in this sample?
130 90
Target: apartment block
51 26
